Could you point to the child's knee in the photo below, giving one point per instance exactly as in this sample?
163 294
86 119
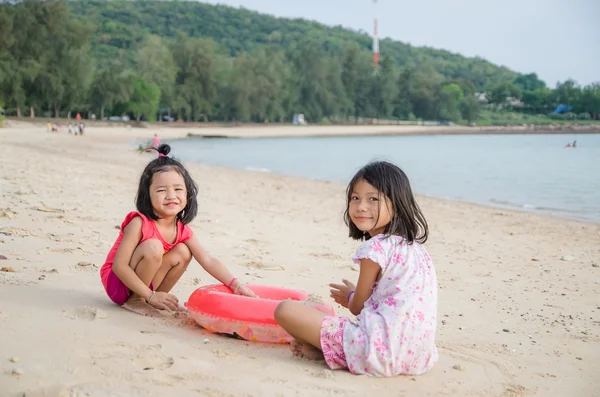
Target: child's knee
153 250
283 311
184 255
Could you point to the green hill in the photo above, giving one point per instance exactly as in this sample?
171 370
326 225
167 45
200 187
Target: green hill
122 25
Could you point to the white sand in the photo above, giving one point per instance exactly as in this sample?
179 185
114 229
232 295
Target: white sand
62 197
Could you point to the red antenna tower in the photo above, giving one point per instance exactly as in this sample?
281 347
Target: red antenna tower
375 37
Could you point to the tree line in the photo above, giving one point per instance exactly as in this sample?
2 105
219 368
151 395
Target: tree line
56 61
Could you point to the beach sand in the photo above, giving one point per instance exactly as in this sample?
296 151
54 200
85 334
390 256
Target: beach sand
519 313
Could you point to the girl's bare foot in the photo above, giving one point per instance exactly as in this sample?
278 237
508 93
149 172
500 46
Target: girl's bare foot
138 305
305 350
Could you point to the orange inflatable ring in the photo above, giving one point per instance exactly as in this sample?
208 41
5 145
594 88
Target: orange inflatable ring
217 309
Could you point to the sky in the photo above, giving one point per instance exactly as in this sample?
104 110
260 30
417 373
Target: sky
557 39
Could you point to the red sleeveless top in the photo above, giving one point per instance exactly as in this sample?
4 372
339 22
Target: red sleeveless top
149 230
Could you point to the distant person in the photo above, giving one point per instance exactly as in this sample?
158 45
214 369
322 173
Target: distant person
575 143
156 141
155 244
395 299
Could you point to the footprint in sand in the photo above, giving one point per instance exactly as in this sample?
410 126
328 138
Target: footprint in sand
351 266
100 390
16 232
59 218
86 313
58 238
155 363
8 213
466 368
43 208
221 353
63 250
262 266
327 255
153 358
86 266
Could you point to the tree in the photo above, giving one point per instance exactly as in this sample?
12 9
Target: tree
385 89
424 97
195 79
451 97
68 69
28 53
568 92
144 100
350 55
540 100
590 99
529 82
6 41
155 65
403 108
503 91
310 63
469 108
111 86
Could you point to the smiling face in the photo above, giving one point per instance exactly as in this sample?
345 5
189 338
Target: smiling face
168 193
369 210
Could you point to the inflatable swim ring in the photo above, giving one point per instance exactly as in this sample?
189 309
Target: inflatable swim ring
217 309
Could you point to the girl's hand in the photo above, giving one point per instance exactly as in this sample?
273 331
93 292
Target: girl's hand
164 301
244 291
339 292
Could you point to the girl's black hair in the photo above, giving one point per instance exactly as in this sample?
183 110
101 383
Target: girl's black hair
407 219
162 164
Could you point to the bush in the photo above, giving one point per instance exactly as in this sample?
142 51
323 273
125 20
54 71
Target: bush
584 116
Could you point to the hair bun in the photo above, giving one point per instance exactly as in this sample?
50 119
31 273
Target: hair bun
164 149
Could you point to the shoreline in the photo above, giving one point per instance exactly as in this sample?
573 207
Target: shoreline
210 131
340 131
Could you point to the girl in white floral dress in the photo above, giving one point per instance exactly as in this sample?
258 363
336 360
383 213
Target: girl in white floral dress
395 299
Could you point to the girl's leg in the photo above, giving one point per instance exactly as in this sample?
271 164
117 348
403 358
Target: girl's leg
145 262
303 322
174 264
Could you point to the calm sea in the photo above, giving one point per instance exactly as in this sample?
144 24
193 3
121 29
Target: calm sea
528 172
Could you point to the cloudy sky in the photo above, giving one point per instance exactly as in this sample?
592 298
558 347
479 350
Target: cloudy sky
557 39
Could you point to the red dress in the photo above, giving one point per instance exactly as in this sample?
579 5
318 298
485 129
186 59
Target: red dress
117 291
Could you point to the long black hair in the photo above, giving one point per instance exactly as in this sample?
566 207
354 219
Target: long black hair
407 220
165 163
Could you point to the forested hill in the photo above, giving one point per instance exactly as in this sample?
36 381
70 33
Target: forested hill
192 61
121 27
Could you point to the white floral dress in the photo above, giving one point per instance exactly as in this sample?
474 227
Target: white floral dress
395 332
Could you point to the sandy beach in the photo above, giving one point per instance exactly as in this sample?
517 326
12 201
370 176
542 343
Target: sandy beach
519 313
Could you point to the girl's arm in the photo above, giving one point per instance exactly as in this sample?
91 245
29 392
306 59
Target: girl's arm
369 271
215 268
132 234
354 297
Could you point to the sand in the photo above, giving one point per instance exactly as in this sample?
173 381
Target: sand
519 313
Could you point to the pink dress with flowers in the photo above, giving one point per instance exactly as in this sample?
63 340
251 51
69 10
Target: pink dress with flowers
394 334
